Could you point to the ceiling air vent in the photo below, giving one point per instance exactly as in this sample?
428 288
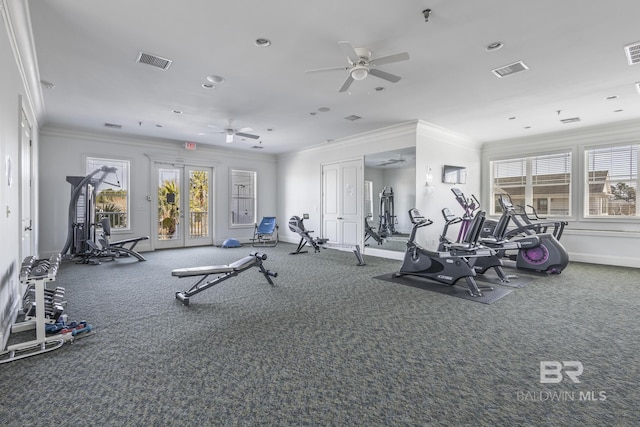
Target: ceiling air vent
112 126
353 117
153 60
510 69
257 147
571 120
633 53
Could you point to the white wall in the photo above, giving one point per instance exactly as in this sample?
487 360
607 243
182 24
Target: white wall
612 241
436 147
15 95
63 153
299 174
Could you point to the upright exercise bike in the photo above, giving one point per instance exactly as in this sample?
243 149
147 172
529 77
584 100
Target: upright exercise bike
450 265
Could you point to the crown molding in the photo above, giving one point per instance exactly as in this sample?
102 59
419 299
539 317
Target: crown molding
15 14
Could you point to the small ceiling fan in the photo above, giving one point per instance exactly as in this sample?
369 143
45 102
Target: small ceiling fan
230 132
361 65
392 161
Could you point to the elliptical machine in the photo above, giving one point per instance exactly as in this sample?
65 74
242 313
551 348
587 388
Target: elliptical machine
549 256
448 266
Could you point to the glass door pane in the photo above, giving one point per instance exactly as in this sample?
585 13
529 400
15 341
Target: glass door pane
199 207
169 212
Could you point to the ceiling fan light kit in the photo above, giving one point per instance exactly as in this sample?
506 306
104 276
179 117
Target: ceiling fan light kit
361 65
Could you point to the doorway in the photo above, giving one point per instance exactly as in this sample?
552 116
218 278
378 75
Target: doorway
26 156
183 206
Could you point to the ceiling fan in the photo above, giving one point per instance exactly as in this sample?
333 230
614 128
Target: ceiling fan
361 65
392 161
230 132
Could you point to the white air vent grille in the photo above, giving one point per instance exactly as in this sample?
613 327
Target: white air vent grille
510 69
633 53
571 120
153 60
112 126
257 147
353 117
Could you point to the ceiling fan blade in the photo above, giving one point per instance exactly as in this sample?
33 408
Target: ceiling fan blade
247 135
396 57
384 75
319 70
348 50
245 129
346 84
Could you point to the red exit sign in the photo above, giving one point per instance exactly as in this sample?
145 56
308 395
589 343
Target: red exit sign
190 145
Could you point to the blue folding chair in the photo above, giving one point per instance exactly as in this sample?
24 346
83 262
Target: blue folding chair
266 233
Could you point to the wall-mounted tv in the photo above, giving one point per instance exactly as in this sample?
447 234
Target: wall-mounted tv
454 174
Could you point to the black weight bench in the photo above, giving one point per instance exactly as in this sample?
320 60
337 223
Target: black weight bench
224 271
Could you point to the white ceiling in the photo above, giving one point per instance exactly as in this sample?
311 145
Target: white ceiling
574 50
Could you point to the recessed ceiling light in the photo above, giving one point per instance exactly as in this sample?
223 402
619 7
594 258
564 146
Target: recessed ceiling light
177 112
269 129
494 46
208 86
512 118
380 89
158 126
262 42
609 98
324 109
313 113
527 127
215 79
618 111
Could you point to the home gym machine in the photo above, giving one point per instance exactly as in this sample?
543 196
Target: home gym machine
450 265
370 233
225 272
296 224
387 222
81 230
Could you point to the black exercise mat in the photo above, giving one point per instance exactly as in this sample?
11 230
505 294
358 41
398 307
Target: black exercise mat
519 281
459 291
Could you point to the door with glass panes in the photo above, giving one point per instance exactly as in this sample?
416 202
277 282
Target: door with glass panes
183 206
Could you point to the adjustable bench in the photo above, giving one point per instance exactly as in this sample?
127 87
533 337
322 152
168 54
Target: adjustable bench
224 271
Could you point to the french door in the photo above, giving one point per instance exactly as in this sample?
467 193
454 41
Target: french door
183 206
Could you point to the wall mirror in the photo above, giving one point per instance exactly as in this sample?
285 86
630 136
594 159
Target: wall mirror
389 193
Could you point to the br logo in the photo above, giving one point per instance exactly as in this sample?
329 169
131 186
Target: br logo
551 371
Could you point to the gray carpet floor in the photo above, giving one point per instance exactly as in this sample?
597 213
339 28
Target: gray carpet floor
329 346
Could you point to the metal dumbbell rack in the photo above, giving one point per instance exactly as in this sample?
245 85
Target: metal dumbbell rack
46 309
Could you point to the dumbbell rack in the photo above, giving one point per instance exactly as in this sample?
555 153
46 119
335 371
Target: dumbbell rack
36 273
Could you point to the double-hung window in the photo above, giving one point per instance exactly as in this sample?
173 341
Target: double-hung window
541 183
611 181
112 194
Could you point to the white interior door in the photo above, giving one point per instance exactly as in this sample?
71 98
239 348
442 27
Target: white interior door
342 197
183 206
25 173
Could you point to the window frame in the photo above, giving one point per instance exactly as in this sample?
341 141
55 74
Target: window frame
123 176
586 182
528 181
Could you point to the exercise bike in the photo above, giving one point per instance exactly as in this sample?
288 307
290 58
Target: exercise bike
450 265
470 206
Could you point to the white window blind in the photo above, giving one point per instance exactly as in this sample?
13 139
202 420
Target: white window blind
612 181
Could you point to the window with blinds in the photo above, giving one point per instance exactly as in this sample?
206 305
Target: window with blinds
537 183
611 181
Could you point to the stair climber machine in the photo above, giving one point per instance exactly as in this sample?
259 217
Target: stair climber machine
547 256
446 266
